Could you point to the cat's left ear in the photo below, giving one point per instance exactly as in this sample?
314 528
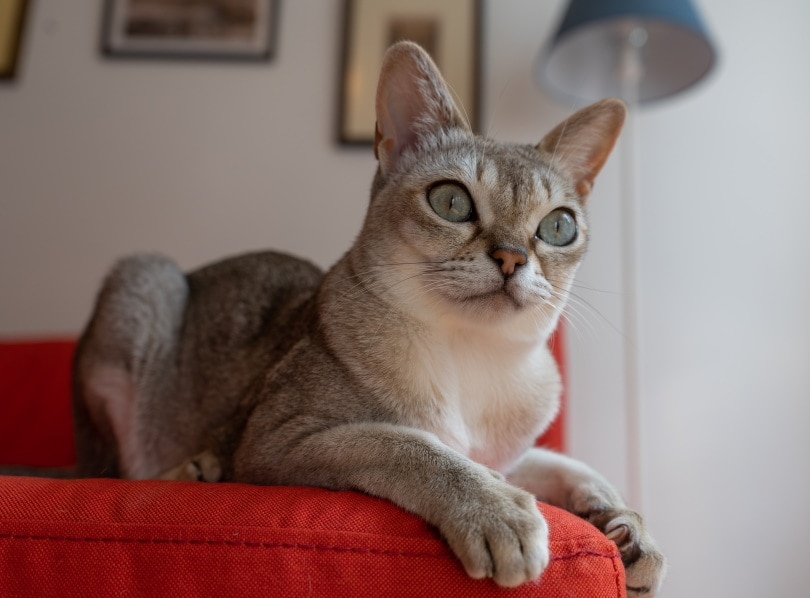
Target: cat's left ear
580 145
413 100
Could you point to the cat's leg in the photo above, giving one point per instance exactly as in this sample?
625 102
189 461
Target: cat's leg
123 371
494 528
572 485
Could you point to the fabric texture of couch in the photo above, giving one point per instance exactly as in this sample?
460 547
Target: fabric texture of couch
104 537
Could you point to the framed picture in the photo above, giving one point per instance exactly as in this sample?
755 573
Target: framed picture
205 29
447 29
12 23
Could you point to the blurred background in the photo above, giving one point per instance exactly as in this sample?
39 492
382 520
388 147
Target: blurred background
199 160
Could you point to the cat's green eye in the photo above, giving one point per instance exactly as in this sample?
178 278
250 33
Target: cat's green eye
451 201
559 228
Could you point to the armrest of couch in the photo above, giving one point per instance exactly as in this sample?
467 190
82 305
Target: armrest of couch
114 537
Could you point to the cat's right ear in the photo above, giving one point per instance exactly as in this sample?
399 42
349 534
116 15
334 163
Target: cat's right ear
413 100
580 145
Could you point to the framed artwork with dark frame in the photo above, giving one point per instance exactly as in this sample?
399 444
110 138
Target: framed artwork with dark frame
196 29
12 24
447 29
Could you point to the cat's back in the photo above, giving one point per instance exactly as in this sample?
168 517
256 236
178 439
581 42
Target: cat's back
252 277
248 297
242 316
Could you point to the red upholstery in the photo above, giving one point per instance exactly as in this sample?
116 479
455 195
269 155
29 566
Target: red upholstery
35 418
114 537
173 538
554 437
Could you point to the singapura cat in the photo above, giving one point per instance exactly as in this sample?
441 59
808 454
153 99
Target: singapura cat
416 369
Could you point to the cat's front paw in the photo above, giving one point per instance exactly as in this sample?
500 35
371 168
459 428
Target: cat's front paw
644 564
498 532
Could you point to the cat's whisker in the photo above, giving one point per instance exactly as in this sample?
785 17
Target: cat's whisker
364 286
479 147
357 290
498 103
571 325
570 316
575 299
395 264
386 286
577 285
407 299
579 321
583 311
557 145
460 105
369 282
571 151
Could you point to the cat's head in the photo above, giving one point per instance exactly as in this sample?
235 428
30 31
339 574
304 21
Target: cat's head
467 230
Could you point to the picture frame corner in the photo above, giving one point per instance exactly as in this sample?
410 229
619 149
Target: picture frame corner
426 33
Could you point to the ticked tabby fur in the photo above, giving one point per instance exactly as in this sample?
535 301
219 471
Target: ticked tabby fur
416 369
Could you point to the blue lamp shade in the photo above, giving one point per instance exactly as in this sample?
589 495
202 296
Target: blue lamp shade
586 57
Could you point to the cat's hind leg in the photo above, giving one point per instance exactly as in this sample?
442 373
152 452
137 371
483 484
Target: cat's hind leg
125 367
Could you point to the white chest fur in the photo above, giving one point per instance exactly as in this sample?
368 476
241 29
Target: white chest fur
490 397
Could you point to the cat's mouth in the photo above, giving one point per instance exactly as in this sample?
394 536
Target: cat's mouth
497 297
494 297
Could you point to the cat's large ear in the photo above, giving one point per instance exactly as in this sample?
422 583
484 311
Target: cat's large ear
580 145
412 100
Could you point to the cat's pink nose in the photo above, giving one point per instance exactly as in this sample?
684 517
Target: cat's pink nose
508 259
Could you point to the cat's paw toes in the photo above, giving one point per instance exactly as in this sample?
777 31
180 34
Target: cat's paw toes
623 531
203 467
644 564
502 536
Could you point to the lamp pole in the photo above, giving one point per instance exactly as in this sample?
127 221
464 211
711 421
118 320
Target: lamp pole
631 72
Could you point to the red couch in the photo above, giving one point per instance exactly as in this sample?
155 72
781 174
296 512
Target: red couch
108 537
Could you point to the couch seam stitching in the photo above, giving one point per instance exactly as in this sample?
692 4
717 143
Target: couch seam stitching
559 557
620 591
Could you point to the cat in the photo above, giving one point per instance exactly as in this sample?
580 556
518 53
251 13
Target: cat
416 369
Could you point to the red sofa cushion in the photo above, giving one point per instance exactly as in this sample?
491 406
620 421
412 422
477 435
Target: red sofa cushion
114 537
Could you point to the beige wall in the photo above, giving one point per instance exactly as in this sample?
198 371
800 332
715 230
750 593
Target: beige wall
197 160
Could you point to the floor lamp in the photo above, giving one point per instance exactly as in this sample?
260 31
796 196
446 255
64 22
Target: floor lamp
640 51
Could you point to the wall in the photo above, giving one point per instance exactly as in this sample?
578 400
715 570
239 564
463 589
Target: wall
725 289
100 158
